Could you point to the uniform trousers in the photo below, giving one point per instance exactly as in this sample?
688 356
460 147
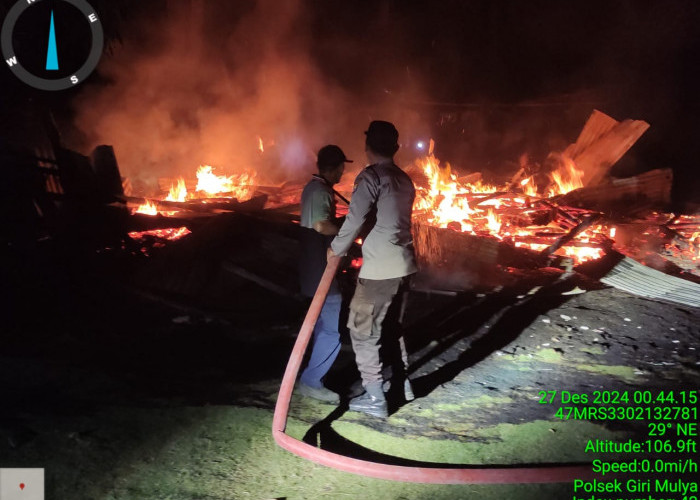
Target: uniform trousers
368 310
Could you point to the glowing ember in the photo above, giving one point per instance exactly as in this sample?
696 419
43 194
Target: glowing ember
171 233
148 208
260 145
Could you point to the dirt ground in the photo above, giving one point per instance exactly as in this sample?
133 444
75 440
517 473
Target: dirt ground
125 394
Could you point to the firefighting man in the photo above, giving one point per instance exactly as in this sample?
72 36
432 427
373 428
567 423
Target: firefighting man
386 192
318 218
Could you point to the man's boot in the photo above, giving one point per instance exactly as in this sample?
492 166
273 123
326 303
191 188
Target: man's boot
408 390
372 402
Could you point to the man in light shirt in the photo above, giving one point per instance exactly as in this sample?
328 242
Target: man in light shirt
319 223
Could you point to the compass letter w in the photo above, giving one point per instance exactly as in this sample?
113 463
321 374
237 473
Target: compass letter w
11 61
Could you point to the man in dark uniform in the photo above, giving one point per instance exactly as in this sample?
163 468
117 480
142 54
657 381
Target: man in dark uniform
320 225
386 191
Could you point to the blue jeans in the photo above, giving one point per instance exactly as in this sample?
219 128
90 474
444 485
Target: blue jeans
326 342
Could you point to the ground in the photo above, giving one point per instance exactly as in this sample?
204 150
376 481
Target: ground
125 394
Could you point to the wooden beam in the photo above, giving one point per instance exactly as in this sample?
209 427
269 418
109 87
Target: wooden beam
563 240
602 143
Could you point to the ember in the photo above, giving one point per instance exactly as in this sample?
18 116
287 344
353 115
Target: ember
170 234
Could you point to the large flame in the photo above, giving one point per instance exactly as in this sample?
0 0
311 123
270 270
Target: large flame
241 186
444 200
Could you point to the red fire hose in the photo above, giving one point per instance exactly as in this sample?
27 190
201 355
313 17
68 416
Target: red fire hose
471 475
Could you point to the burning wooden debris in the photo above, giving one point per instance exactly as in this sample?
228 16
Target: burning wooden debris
563 213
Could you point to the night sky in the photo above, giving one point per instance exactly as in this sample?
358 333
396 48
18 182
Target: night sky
489 80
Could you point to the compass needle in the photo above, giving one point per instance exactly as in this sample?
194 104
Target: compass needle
51 53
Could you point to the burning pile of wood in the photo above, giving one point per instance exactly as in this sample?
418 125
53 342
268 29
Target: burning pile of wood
563 213
546 213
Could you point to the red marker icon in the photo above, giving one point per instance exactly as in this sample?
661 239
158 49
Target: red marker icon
21 486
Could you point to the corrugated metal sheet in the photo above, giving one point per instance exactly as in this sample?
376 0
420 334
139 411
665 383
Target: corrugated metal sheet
633 277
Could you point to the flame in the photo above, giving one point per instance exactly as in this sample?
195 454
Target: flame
177 192
148 208
581 254
209 184
480 208
494 222
529 187
566 178
444 199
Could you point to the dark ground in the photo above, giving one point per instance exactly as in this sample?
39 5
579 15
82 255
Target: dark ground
124 393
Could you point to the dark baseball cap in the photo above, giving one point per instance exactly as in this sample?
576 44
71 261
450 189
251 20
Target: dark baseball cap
383 137
331 156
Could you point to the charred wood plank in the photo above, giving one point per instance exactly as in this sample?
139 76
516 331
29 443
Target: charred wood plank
259 280
106 168
231 205
641 191
539 240
563 240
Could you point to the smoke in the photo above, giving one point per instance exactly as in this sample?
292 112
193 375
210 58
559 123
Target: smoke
202 82
186 89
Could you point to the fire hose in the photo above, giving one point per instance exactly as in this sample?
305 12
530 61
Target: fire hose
466 475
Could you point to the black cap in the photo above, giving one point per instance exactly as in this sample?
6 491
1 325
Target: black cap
383 138
331 156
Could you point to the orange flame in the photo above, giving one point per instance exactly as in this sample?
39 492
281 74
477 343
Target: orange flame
565 179
476 208
177 192
529 187
148 208
209 184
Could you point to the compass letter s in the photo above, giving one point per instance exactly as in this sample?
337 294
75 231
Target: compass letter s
74 79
